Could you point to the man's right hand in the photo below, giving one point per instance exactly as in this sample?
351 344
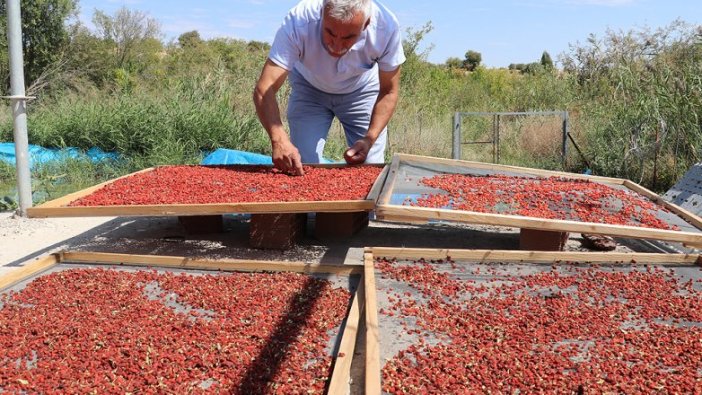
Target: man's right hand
287 158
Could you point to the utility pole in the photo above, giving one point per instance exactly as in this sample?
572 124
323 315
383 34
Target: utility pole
18 101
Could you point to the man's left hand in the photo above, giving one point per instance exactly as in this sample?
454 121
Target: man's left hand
358 152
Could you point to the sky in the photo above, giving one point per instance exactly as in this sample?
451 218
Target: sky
503 31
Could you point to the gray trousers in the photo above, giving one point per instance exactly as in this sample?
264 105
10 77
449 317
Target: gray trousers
311 112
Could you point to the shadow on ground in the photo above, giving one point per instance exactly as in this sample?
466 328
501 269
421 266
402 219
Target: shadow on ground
166 236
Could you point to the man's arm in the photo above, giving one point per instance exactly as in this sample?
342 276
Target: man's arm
382 112
285 156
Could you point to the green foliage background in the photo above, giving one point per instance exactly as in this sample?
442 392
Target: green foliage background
634 98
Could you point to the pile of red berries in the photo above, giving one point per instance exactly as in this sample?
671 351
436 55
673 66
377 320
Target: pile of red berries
552 198
485 329
109 331
234 184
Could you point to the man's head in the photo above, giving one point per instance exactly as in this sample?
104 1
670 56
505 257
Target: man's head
343 21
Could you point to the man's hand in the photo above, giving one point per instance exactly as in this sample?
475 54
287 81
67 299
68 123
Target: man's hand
287 158
358 152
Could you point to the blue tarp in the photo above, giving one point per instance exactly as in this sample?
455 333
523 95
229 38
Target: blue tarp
41 155
225 156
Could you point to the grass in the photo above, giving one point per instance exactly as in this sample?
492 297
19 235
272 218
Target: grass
8 198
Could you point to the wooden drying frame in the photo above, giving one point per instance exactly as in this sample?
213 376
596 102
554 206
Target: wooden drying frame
391 212
341 374
58 207
373 368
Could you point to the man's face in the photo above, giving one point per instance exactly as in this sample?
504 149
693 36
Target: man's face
338 37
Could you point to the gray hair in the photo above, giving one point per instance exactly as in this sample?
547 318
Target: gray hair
344 10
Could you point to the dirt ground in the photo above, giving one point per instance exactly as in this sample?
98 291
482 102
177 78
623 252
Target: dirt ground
22 240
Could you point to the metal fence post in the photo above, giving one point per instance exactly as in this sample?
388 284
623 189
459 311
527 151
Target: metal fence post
456 136
566 133
18 101
496 139
497 136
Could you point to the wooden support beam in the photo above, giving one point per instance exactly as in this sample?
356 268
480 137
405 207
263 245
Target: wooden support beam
541 240
276 231
202 224
687 215
389 212
403 220
27 270
419 159
341 375
180 262
377 187
549 257
386 193
339 226
202 209
372 376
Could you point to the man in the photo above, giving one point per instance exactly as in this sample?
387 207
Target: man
343 60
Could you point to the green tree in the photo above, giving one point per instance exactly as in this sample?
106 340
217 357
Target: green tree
413 70
546 61
454 63
189 39
472 60
533 68
44 35
133 33
90 54
413 39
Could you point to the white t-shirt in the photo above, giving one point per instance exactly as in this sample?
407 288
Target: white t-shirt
298 45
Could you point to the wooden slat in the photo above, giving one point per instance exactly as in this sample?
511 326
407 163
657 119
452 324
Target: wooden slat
372 373
687 215
378 185
389 212
537 256
389 185
418 159
341 375
203 264
398 219
27 270
340 206
327 165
